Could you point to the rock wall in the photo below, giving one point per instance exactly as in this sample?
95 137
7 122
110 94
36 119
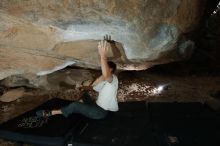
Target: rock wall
39 35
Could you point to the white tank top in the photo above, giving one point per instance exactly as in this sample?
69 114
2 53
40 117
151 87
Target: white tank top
107 98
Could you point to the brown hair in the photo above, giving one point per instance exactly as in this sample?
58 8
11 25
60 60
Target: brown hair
112 65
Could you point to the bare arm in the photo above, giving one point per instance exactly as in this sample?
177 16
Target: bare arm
98 80
92 84
103 49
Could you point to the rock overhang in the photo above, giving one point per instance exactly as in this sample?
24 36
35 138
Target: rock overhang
42 35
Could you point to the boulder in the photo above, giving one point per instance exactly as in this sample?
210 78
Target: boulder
40 37
57 81
12 95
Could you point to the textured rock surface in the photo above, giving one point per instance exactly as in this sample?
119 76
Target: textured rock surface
39 35
64 79
12 95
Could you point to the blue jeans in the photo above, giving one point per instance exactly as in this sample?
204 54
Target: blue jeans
88 108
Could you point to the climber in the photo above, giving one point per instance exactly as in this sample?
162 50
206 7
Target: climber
106 85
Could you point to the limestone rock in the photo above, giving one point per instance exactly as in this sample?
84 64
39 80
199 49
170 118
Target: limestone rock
12 95
39 35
